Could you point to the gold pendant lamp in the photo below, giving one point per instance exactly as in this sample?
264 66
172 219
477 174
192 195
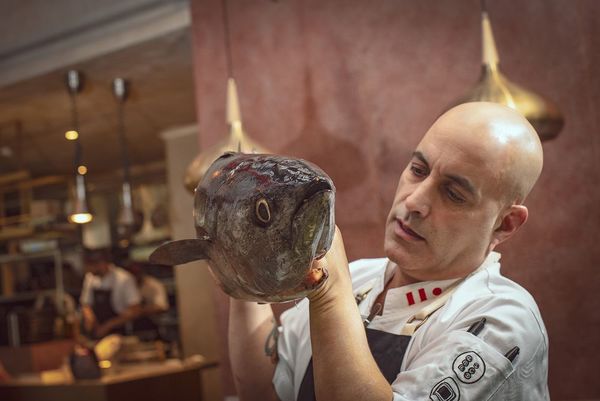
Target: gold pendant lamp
493 86
237 140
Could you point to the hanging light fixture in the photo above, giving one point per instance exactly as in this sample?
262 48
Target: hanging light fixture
237 140
126 217
80 213
493 86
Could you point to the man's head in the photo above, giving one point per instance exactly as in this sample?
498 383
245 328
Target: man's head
97 261
462 192
137 270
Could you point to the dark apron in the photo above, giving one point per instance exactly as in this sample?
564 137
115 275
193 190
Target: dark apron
145 326
388 350
102 307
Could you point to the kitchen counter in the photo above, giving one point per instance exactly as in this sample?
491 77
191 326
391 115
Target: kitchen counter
172 379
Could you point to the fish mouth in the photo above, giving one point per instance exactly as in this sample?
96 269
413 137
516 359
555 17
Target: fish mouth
316 187
313 224
320 192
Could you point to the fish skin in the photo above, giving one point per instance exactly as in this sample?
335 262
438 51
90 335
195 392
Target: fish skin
260 222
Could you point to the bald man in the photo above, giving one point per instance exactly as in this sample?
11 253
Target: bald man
435 319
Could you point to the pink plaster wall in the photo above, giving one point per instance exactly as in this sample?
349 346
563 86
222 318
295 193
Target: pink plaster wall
353 84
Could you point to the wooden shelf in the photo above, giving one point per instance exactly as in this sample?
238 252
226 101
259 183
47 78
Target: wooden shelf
53 254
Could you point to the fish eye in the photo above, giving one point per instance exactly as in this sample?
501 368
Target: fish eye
263 211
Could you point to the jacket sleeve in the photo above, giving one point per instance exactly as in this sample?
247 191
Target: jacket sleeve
448 363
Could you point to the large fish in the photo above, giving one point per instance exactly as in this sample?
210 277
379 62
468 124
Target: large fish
260 222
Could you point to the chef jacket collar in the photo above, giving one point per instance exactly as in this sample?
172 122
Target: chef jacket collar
411 297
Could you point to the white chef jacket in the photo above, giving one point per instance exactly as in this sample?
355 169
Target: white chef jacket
153 293
124 289
431 369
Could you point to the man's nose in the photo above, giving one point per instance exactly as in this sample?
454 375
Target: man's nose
418 201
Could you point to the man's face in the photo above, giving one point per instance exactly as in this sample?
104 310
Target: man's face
445 209
97 268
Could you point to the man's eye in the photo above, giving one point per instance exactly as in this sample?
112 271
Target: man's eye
454 196
418 171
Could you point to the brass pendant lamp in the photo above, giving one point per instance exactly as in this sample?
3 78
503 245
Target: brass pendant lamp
493 86
237 140
80 213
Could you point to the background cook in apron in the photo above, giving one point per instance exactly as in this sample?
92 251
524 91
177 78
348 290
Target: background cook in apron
109 295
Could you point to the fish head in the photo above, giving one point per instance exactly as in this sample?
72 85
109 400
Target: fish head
260 222
268 217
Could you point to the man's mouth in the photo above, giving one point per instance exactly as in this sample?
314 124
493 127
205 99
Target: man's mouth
403 231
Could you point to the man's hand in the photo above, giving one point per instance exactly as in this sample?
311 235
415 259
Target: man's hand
335 263
102 330
127 315
344 367
89 319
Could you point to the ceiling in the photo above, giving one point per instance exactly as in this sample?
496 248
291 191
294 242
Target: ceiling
36 112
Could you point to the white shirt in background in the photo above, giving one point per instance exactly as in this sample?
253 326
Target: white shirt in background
153 293
124 289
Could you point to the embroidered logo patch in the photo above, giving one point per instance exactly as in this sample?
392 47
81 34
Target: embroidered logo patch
468 367
446 390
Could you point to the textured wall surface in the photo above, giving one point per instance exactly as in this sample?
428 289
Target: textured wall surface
198 334
352 85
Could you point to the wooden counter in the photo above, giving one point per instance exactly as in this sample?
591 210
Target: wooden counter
154 381
35 357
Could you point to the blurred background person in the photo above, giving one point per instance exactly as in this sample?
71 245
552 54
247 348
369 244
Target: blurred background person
153 293
109 297
154 302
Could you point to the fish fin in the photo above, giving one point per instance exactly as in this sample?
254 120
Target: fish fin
228 153
179 252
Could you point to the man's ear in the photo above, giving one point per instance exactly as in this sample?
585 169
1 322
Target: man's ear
508 224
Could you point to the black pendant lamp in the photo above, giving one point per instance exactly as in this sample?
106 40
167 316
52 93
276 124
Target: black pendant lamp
80 214
126 219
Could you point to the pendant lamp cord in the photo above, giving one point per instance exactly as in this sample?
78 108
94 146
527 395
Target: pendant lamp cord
75 118
227 39
123 141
